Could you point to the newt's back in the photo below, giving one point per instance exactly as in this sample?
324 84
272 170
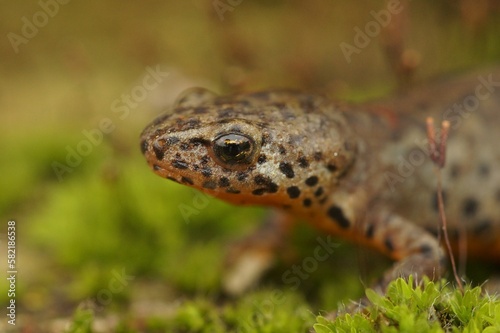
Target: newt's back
471 176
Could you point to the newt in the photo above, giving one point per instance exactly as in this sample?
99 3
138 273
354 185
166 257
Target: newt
357 172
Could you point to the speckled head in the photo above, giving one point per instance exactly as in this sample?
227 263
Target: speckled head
273 148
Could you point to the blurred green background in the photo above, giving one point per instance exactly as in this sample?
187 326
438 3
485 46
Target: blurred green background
106 214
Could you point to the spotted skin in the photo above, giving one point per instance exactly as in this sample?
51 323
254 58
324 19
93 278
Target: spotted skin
360 173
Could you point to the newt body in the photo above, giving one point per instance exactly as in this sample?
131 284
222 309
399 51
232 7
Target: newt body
361 173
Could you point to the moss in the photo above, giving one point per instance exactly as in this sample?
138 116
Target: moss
406 307
428 307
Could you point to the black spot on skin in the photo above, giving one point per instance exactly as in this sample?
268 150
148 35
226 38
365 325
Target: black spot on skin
198 141
187 180
156 167
470 207
188 124
336 214
311 181
332 167
426 249
144 146
273 188
484 170
282 150
158 152
241 176
184 146
224 182
434 200
179 164
171 140
270 186
389 245
482 226
210 184
233 191
319 192
307 202
259 191
293 192
204 160
370 231
172 179
318 156
260 180
287 170
303 162
192 123
262 159
207 172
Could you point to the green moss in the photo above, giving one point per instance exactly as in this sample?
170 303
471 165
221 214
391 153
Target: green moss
429 307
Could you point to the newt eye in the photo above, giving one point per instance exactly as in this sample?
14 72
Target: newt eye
234 149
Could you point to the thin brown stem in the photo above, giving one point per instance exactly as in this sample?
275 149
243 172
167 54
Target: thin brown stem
438 156
445 128
442 216
431 137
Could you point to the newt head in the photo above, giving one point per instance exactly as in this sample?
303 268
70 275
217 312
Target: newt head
268 148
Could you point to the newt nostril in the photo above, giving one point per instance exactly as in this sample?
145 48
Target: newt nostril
159 148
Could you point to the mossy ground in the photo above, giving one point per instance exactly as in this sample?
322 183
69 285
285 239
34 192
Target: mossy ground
106 245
